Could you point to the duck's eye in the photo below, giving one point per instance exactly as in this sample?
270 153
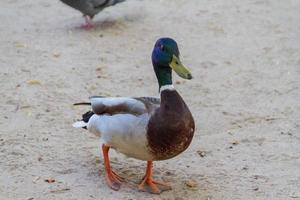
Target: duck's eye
162 47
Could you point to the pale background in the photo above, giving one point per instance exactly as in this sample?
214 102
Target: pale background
245 96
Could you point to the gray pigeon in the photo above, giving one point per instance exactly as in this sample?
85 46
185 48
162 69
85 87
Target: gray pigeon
90 8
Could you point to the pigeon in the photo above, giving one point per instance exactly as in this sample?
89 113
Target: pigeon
89 8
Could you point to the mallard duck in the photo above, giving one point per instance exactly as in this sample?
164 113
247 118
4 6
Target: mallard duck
89 8
145 128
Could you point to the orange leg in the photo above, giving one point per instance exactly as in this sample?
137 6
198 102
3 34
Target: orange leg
112 179
152 186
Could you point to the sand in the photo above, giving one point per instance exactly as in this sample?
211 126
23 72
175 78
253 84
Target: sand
244 56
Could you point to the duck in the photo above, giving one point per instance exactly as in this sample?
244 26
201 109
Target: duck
145 128
89 8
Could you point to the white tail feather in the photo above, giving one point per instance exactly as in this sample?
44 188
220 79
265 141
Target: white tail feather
79 124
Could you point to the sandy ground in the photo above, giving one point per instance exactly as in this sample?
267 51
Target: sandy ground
245 96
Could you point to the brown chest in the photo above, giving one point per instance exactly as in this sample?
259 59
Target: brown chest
170 129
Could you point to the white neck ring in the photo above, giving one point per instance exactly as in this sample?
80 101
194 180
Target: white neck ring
166 87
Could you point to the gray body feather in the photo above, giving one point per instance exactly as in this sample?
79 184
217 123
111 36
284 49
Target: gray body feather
90 7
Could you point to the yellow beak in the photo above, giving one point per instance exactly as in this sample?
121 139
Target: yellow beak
180 69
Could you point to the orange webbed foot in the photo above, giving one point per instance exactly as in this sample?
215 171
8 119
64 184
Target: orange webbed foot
113 180
153 186
150 185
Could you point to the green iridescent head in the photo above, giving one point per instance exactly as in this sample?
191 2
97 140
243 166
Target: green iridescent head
165 58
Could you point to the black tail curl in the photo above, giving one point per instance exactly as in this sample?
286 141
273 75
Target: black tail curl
82 103
86 116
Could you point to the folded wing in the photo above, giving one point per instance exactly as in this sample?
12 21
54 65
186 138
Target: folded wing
128 105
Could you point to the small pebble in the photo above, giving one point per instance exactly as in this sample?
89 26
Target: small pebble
191 183
201 153
56 55
34 82
36 179
50 180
